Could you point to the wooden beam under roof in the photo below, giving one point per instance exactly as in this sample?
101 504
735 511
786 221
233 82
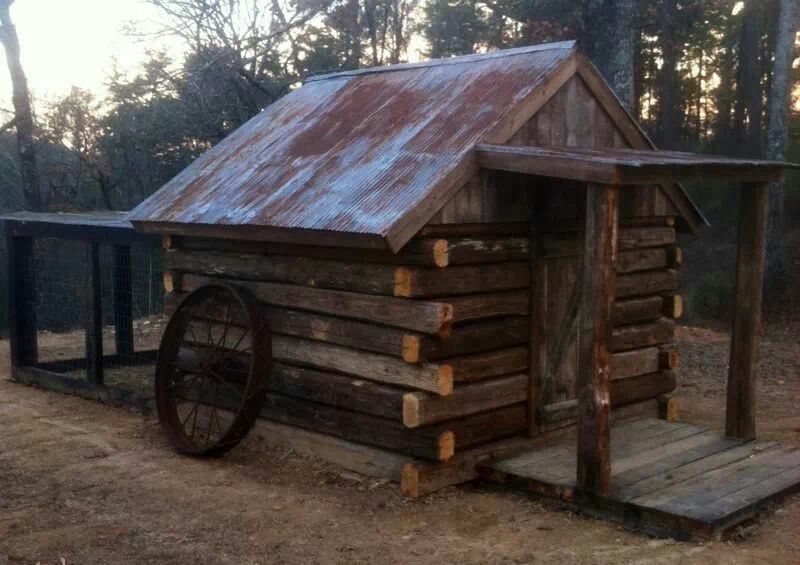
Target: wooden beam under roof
625 166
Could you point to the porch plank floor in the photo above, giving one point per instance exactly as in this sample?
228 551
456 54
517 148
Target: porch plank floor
667 478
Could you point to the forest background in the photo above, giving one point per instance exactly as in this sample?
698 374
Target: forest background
716 76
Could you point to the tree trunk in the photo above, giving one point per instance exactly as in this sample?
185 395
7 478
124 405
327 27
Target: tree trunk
609 39
668 98
777 137
22 111
724 100
749 92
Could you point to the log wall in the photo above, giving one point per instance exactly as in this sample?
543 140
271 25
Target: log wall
426 353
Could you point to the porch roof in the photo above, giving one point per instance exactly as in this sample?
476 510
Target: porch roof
626 166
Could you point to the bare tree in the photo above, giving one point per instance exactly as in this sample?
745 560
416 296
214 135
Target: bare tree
22 109
778 134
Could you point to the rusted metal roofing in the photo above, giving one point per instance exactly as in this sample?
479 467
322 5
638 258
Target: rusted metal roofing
363 152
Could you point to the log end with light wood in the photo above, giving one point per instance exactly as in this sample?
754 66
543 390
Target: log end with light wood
403 282
668 357
445 377
441 253
411 345
674 257
673 306
172 281
447 445
667 408
411 410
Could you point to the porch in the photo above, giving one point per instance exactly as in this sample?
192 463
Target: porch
665 478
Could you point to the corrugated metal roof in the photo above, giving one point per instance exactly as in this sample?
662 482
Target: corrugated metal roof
354 152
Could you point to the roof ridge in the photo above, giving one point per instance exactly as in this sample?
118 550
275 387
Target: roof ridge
447 61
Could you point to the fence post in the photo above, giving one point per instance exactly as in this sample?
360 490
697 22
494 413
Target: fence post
123 300
94 316
21 299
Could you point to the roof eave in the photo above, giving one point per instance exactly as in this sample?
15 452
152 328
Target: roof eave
299 236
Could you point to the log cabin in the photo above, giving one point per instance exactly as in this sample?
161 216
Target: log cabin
456 256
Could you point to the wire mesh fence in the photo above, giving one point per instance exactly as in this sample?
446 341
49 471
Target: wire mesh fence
88 297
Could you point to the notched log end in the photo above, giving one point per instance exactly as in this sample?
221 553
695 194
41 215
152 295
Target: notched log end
667 408
409 480
445 380
668 358
441 253
675 257
673 306
445 320
166 242
411 417
171 281
403 282
411 348
447 445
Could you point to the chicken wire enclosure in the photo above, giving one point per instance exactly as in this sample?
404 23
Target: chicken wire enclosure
85 303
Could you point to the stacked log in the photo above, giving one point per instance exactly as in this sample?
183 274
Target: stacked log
425 352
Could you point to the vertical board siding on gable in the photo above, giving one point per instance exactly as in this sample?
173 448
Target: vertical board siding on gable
573 118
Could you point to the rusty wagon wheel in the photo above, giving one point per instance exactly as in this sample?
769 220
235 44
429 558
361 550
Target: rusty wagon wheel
212 369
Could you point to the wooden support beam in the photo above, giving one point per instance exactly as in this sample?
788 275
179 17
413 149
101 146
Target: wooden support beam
594 367
638 310
647 283
123 300
437 378
482 306
433 442
21 299
94 315
642 335
489 364
740 416
417 315
430 377
364 459
352 276
422 409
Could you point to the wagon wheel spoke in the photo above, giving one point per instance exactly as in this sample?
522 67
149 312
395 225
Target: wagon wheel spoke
208 379
192 381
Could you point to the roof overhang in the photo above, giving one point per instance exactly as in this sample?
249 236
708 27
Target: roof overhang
625 166
265 233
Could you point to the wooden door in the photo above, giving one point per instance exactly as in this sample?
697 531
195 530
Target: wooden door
555 300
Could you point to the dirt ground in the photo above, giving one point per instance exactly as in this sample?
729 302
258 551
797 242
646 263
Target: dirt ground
85 483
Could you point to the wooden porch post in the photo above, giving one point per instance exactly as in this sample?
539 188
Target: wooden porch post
740 416
594 369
